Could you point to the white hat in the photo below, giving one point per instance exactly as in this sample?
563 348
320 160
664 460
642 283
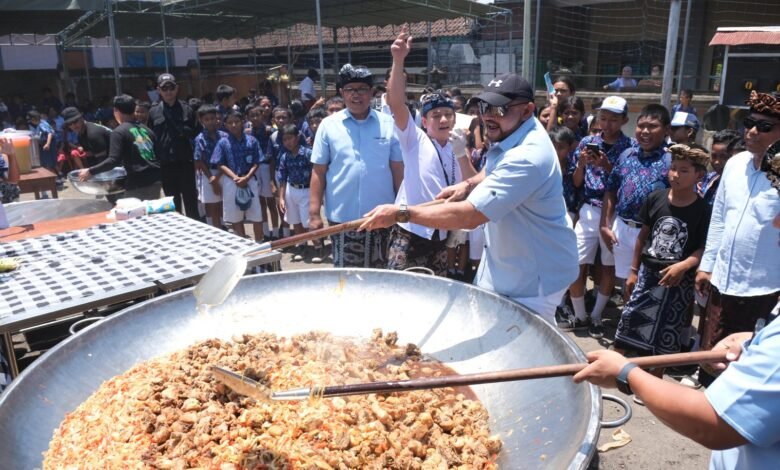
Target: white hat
615 104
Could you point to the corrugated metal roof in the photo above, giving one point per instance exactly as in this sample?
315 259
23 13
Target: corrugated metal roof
302 35
769 35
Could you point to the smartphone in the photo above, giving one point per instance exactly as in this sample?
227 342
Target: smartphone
593 148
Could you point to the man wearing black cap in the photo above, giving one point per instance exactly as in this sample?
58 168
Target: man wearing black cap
357 166
93 139
173 122
530 251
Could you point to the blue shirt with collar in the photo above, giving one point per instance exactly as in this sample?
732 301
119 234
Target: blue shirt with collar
237 154
530 248
295 169
205 145
746 397
358 156
742 252
595 178
636 175
263 136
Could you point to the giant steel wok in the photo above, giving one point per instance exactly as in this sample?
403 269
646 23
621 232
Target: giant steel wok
547 423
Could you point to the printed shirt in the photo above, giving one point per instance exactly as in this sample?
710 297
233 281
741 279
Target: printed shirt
262 137
295 169
358 155
636 175
742 252
595 181
3 168
237 154
708 187
572 195
205 145
685 109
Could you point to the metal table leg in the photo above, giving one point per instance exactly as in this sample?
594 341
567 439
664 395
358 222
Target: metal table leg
11 356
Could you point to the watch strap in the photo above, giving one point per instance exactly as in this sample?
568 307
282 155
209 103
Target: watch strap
622 378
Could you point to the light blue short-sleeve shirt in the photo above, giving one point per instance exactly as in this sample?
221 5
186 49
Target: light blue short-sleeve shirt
530 247
358 155
747 397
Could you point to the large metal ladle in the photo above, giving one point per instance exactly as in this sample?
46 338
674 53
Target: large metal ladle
220 280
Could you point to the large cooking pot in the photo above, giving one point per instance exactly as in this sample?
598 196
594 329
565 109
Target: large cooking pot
548 423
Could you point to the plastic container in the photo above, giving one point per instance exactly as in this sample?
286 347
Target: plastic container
22 143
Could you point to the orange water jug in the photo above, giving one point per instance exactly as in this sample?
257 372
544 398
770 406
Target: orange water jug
22 141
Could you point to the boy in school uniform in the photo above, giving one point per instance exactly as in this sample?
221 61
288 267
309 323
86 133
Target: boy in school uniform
638 172
684 128
238 156
668 251
258 125
208 179
294 177
226 99
719 155
590 172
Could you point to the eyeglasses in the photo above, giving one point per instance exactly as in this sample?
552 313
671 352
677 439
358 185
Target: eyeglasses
497 111
168 87
363 90
760 125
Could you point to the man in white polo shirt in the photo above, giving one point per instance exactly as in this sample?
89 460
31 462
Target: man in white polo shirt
530 249
429 166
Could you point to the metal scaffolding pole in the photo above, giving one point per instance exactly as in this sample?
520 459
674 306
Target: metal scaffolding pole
86 72
684 46
430 50
164 38
349 45
527 39
536 43
323 83
671 52
114 46
254 63
335 51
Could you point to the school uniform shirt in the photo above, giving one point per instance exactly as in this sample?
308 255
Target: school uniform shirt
636 175
742 252
205 145
675 232
428 168
685 109
263 136
595 177
307 89
745 396
708 187
240 155
295 169
132 146
530 248
358 156
572 195
621 82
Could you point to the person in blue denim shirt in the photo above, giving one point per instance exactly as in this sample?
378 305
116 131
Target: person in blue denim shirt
238 156
638 172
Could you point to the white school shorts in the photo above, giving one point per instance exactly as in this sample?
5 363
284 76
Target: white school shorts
589 237
230 211
206 190
476 242
296 202
624 250
264 175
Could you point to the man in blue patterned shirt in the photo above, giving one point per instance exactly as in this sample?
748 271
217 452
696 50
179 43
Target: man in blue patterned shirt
206 178
638 172
591 172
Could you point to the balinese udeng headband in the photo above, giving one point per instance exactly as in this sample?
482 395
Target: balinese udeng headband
350 74
696 156
434 100
764 103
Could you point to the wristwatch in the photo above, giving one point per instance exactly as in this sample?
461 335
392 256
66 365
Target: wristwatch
403 214
622 379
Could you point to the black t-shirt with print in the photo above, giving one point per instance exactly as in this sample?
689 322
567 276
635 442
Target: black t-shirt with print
132 146
675 232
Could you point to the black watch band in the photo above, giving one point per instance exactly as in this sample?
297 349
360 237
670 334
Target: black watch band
622 378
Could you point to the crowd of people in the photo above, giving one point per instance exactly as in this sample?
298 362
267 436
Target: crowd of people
537 200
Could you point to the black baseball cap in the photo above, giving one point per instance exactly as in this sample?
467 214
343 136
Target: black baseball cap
166 78
505 88
70 114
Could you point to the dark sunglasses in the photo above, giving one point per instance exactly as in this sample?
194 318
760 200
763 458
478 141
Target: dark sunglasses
498 111
760 125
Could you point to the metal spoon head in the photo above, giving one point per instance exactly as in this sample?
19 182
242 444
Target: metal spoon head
219 281
240 384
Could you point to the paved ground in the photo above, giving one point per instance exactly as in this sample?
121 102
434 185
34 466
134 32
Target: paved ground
653 446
